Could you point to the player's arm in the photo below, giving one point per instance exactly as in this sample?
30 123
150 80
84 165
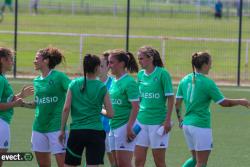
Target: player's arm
30 105
234 102
178 104
65 115
167 123
132 118
108 111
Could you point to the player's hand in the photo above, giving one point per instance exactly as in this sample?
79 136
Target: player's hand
167 126
180 120
27 90
17 101
61 138
245 102
130 134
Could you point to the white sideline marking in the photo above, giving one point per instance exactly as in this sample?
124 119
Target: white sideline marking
223 88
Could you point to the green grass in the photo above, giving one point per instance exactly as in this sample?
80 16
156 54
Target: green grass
230 133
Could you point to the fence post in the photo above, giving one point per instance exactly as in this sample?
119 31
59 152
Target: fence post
247 43
163 45
81 48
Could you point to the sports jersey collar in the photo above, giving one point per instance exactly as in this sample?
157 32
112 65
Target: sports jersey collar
151 72
123 76
47 75
107 80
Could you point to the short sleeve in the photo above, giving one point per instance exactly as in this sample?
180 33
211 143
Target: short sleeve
132 91
167 83
215 93
179 93
65 81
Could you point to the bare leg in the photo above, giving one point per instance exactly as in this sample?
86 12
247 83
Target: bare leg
43 159
159 157
140 156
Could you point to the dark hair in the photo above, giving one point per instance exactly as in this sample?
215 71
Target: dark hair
90 62
53 54
198 59
4 53
151 52
105 55
126 57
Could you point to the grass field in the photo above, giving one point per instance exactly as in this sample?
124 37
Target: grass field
231 133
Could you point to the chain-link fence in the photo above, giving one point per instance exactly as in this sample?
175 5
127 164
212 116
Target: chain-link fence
177 28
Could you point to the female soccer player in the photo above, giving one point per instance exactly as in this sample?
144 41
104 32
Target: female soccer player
107 80
85 98
197 91
125 102
7 99
50 92
155 88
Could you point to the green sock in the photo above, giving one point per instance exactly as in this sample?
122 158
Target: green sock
191 162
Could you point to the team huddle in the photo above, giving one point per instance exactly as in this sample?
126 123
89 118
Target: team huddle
111 110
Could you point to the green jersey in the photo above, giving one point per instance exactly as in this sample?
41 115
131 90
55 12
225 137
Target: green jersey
197 97
86 106
153 91
122 92
6 96
50 93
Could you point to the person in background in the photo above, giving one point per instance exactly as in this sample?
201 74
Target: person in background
85 98
155 87
124 95
107 80
218 9
34 6
197 91
7 3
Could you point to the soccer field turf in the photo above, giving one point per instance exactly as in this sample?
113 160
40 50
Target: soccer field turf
231 133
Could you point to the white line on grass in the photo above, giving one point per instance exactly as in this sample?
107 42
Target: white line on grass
25 82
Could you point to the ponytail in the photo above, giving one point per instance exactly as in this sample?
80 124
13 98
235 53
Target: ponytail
128 58
90 63
198 59
132 65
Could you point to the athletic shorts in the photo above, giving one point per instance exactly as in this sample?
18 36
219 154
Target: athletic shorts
198 139
118 139
91 140
107 145
148 137
4 134
48 142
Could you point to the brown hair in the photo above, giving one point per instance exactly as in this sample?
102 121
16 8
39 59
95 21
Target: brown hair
53 54
4 53
90 62
151 52
126 57
198 59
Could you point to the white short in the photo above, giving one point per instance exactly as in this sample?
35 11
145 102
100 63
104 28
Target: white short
4 134
198 139
48 142
118 139
148 137
107 145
